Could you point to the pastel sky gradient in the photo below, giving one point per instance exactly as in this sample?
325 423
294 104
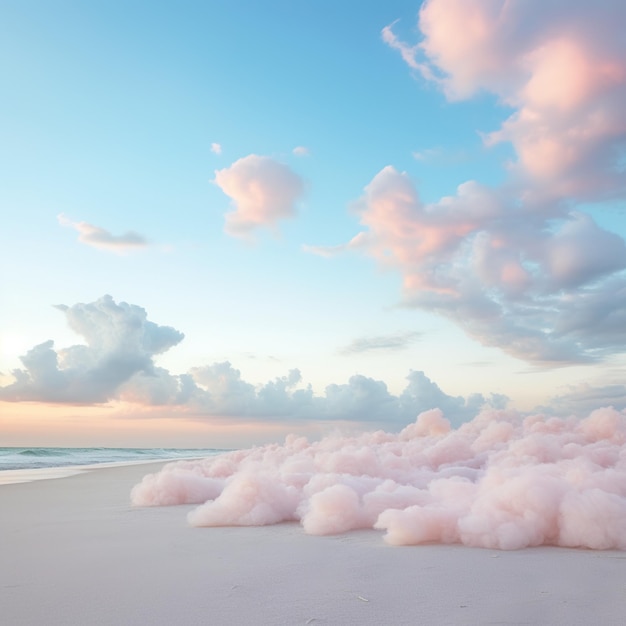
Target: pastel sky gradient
226 221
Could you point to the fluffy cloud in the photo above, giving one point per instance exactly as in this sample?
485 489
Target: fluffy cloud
301 151
536 287
218 390
216 148
520 267
263 192
497 482
100 238
120 342
117 363
562 68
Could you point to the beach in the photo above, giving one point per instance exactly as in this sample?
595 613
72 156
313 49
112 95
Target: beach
74 551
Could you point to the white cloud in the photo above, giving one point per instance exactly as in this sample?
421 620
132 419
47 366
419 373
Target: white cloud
358 242
301 151
216 148
100 238
581 399
408 53
120 342
117 363
398 341
263 192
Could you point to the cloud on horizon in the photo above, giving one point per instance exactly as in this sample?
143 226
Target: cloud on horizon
97 237
263 192
120 342
398 341
117 363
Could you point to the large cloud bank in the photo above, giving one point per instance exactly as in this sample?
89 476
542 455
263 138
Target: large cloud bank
498 481
117 362
521 267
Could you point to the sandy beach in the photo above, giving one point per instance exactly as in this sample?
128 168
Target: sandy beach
74 551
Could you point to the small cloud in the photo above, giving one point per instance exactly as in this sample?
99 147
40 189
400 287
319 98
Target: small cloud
583 398
426 155
440 156
263 191
216 148
359 241
397 341
301 151
408 53
100 238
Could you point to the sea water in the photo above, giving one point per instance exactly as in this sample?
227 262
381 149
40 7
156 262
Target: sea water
40 458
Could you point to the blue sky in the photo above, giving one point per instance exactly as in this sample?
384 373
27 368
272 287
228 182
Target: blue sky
120 116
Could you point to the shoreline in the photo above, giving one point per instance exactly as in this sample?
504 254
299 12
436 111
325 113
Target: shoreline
76 552
31 474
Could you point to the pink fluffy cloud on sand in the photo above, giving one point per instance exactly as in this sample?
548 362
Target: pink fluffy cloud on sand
500 481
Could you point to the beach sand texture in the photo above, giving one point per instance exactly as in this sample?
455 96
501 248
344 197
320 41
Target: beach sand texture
74 551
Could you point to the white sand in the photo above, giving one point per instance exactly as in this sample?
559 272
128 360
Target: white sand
73 551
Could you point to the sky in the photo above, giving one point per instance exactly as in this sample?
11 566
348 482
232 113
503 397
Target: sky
227 221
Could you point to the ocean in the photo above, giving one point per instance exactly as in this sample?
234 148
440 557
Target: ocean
43 458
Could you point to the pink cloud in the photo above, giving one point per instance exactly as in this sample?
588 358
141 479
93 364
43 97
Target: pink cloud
509 278
497 482
100 238
563 73
520 267
263 191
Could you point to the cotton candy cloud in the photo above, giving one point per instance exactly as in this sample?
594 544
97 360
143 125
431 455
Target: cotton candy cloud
100 238
534 287
263 192
119 342
561 68
521 267
499 482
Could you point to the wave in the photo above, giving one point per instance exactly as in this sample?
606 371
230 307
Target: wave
40 457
